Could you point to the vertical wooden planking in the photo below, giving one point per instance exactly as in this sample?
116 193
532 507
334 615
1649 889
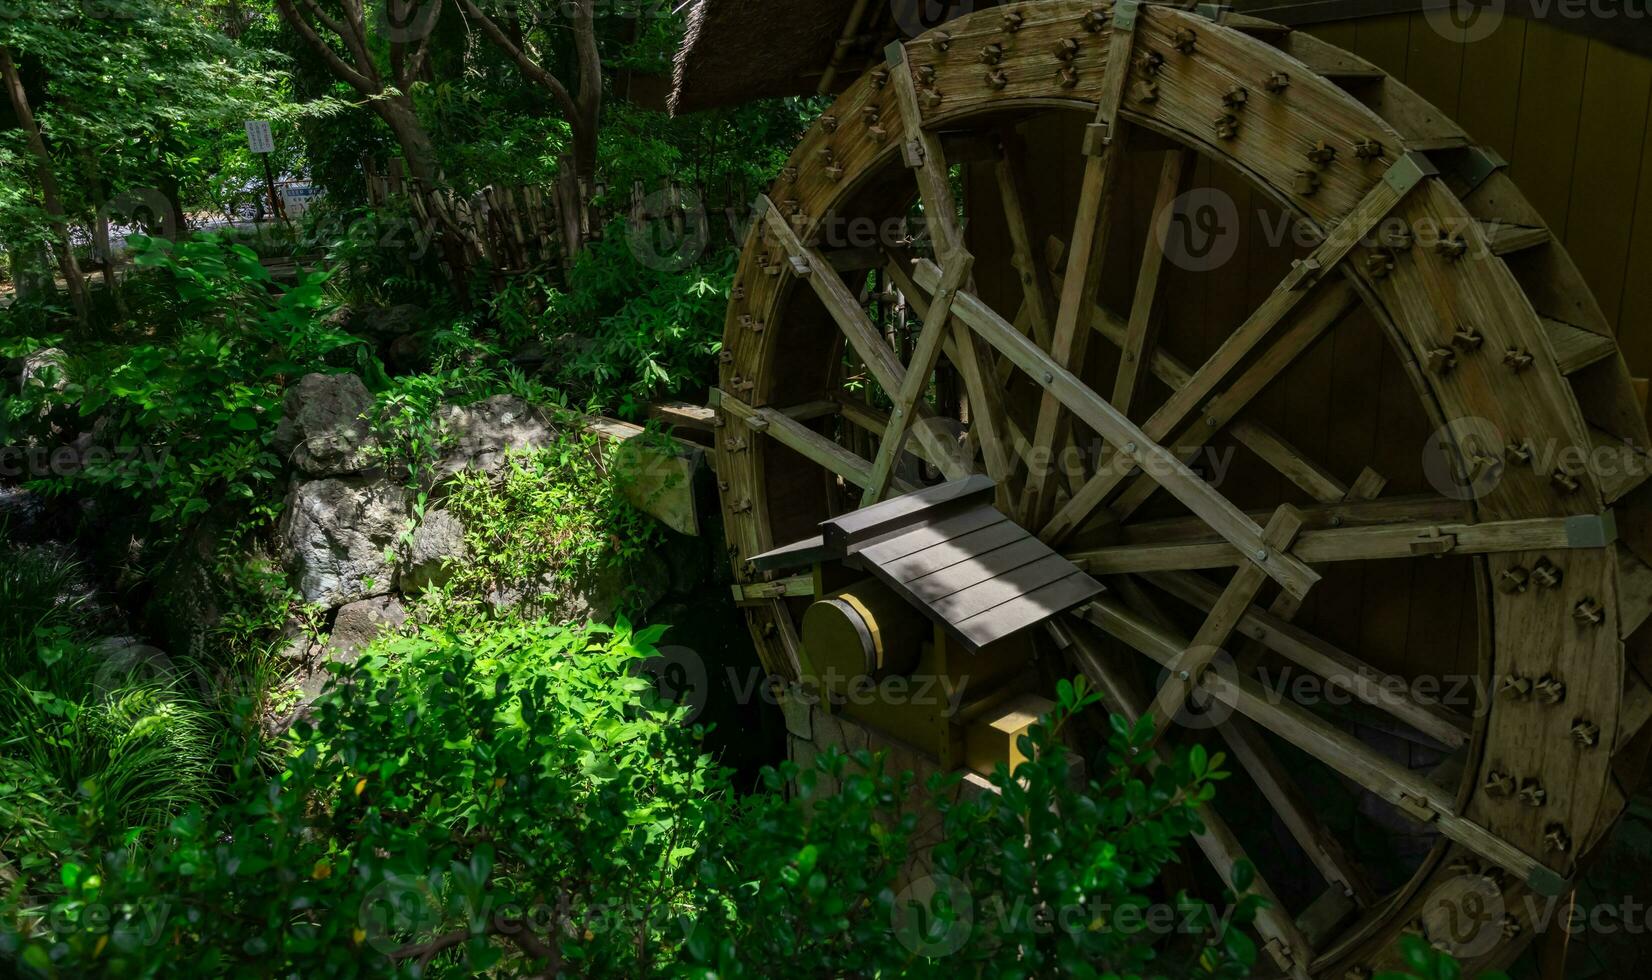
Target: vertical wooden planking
1434 63
1333 608
1385 42
1635 308
1488 100
1610 147
1546 129
1385 606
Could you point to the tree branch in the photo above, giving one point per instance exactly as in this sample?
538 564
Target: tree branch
529 67
355 79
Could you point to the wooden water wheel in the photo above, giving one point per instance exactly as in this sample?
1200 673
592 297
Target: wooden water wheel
981 259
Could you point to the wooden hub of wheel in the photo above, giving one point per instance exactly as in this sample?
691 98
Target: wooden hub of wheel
1249 332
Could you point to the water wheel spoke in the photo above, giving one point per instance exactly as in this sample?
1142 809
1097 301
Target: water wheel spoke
1140 335
1310 325
1105 143
1197 495
1399 539
862 334
925 354
1219 844
806 442
1411 792
926 155
1251 749
1339 669
1297 285
1223 617
1038 299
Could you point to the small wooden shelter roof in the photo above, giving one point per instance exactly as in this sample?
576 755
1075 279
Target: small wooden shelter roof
946 550
736 51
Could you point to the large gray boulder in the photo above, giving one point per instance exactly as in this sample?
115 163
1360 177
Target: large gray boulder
322 430
437 546
341 538
480 436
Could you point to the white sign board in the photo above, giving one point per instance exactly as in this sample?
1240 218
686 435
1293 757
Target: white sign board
259 138
297 198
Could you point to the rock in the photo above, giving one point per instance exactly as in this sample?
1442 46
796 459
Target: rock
479 436
405 355
438 543
389 322
359 623
45 368
322 430
340 538
531 356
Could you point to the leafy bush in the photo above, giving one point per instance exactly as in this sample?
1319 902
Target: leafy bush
513 798
647 328
202 397
92 723
1424 962
559 515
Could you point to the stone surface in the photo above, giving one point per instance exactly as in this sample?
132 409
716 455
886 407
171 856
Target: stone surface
359 623
322 431
480 436
335 535
45 368
437 545
387 322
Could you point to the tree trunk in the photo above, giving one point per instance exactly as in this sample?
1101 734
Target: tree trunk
48 186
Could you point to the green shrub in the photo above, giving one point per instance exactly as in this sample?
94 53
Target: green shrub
200 395
558 515
1424 962
112 730
512 798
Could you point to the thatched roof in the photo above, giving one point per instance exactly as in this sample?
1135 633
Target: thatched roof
739 50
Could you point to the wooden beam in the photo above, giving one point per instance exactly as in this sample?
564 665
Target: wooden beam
1223 617
803 440
755 592
1424 509
1328 309
1340 240
863 336
1220 845
925 354
1405 540
941 213
1105 142
1413 793
1341 670
1037 298
1300 817
1139 339
1200 497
